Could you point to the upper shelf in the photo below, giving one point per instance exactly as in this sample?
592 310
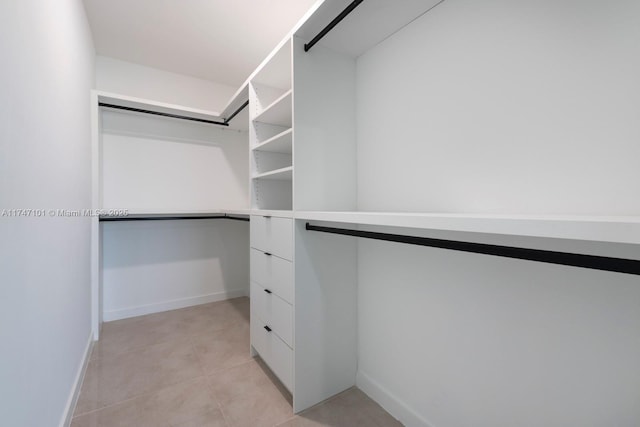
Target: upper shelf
367 25
240 122
236 101
160 107
278 112
611 229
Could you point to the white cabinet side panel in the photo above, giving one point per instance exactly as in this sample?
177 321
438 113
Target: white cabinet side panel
325 316
324 129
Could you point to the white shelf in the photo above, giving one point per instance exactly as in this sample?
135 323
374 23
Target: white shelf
237 99
278 112
282 174
237 211
157 106
178 214
165 214
272 212
281 143
610 229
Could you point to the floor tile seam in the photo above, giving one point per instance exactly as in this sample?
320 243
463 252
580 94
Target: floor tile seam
227 418
145 394
124 353
201 364
208 380
233 325
196 416
235 365
193 335
111 405
293 417
215 397
330 399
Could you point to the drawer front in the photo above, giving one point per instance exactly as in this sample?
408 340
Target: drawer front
274 312
273 273
272 235
274 352
258 338
281 360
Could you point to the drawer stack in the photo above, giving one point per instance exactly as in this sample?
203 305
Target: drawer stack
272 294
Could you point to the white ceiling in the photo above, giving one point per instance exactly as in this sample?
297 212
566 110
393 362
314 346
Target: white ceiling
221 41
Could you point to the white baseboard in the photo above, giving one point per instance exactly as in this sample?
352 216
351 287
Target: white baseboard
124 313
398 409
77 385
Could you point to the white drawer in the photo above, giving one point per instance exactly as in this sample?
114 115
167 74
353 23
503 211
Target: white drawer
273 273
273 311
272 235
275 353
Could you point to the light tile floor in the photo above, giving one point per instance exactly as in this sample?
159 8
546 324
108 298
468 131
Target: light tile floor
192 368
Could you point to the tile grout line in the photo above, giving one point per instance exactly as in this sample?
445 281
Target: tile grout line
155 390
204 375
293 417
225 418
137 396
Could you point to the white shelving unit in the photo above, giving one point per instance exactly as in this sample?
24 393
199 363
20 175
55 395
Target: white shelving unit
392 287
271 132
272 138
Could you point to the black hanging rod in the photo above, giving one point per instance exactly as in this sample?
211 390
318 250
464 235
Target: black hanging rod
171 218
236 218
225 122
618 265
332 24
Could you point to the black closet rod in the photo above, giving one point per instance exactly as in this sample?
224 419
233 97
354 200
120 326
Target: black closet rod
171 218
618 265
332 24
176 116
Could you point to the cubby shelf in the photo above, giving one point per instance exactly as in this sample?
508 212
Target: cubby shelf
278 112
280 143
283 174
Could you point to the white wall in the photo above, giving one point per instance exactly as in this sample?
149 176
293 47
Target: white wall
151 163
45 80
113 75
151 266
506 107
450 339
